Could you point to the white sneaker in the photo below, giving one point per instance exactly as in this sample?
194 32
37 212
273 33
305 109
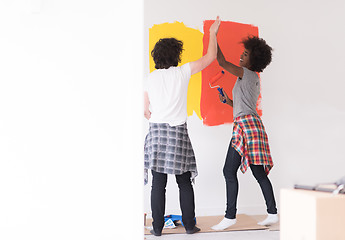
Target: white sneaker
225 223
270 219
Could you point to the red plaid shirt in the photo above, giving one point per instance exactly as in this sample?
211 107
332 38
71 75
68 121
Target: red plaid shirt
250 140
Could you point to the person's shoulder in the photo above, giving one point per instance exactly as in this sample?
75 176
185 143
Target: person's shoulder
154 73
248 71
152 77
249 74
185 65
186 68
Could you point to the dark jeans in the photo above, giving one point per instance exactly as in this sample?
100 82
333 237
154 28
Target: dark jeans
232 164
159 182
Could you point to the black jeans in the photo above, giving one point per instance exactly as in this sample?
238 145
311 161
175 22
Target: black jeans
187 205
232 164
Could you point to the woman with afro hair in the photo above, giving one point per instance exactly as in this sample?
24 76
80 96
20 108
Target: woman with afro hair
249 143
168 149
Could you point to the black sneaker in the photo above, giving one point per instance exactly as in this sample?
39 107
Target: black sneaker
194 230
156 234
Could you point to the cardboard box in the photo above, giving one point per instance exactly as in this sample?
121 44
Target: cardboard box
311 215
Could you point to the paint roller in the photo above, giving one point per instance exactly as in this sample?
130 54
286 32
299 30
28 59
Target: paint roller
215 79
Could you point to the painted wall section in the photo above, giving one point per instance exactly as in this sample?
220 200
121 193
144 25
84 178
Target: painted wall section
202 99
192 45
229 37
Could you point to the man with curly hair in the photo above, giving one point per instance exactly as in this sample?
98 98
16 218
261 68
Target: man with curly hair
168 149
249 144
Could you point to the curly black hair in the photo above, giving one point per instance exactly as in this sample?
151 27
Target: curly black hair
260 53
167 53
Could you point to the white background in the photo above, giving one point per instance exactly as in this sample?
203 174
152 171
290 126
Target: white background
71 119
303 97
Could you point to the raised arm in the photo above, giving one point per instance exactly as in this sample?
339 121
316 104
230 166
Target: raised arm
228 66
211 54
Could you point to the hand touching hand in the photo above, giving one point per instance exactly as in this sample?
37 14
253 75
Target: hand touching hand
215 26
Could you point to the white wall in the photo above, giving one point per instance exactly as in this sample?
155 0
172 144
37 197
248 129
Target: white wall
68 113
302 97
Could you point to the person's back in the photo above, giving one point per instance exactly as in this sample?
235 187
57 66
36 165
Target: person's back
167 89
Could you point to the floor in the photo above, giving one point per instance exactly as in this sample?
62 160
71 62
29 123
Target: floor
265 234
234 235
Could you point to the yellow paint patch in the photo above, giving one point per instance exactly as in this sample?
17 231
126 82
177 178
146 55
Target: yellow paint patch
193 47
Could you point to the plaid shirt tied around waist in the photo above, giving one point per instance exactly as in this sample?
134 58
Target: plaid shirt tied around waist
168 150
250 140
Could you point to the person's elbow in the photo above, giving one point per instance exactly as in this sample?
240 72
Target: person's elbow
211 57
214 56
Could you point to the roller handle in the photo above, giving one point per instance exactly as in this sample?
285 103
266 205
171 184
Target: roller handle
220 90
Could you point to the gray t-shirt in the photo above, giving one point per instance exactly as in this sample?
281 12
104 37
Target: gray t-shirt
245 94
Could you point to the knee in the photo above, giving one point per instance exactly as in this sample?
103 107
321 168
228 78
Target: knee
228 174
259 173
261 178
159 183
184 182
185 186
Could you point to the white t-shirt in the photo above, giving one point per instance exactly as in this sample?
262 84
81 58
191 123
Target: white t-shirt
167 91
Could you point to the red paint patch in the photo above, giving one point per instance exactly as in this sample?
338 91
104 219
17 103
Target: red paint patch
230 35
